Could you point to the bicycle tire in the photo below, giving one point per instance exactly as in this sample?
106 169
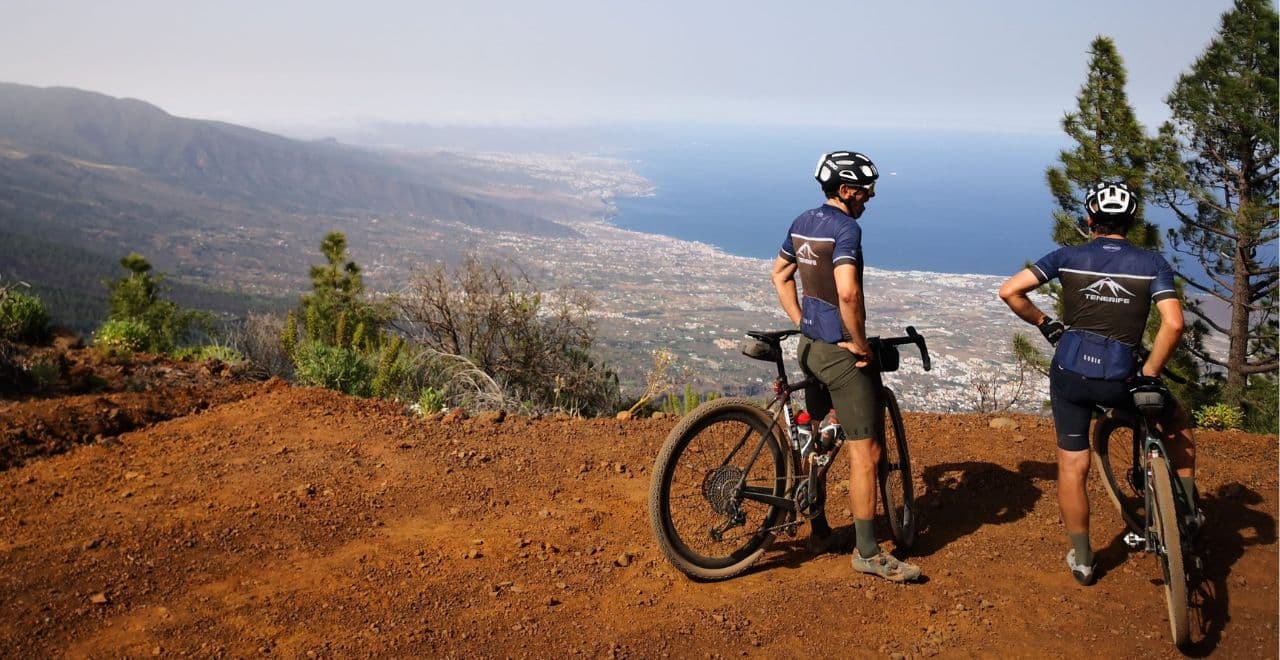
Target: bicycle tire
1165 523
1115 456
718 420
896 488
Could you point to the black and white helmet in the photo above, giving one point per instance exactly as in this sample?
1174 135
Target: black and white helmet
849 167
1111 199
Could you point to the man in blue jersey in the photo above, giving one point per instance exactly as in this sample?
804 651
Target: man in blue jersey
1108 286
824 248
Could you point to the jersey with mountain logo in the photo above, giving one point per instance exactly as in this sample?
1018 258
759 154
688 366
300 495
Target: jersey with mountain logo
1108 286
819 240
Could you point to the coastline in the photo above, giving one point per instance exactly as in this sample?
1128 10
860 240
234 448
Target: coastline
656 292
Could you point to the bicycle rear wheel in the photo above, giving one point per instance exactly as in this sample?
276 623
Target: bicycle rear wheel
1116 447
701 522
896 488
1169 549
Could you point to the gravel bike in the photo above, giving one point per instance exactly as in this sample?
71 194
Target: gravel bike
1156 509
733 474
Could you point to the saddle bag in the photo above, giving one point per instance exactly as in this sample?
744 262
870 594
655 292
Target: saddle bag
1095 356
887 357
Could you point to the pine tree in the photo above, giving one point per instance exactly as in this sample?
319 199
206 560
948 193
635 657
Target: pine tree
1216 168
337 288
1110 145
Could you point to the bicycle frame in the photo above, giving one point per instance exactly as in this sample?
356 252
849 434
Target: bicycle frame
782 396
819 465
1148 447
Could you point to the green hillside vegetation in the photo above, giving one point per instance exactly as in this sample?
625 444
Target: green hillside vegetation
473 338
68 279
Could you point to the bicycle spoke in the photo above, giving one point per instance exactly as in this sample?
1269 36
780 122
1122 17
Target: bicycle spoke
707 517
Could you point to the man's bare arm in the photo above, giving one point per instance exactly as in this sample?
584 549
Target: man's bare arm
1014 294
1171 324
853 310
784 282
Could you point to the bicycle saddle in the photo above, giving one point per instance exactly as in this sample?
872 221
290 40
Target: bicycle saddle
771 336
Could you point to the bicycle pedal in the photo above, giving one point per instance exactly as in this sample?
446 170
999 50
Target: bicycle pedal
1134 541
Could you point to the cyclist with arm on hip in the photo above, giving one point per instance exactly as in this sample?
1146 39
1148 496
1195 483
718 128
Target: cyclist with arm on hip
1108 286
824 248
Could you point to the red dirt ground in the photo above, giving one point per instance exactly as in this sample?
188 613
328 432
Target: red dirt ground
299 522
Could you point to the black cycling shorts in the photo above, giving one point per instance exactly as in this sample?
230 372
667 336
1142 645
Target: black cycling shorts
1074 397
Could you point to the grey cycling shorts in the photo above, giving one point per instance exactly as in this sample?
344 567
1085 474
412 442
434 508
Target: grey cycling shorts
853 391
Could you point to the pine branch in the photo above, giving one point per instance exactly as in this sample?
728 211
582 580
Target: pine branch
1187 219
1259 368
1203 258
1201 287
1265 175
1265 288
1204 356
1194 309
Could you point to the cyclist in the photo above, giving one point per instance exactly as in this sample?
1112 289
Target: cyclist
1108 286
824 247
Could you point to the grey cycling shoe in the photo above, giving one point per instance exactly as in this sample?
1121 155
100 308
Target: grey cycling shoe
1083 574
886 566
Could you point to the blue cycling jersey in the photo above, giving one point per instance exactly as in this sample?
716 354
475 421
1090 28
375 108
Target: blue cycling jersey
819 240
1108 286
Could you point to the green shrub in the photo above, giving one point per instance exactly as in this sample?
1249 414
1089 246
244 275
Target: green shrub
341 369
1262 405
526 347
121 337
46 373
1219 416
675 405
431 400
139 297
210 352
22 317
391 370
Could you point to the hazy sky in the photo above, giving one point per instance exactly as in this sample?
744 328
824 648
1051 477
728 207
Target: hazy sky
984 64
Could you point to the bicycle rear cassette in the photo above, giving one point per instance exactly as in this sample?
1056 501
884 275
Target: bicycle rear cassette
718 488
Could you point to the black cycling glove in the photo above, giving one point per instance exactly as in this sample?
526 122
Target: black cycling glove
1141 381
1052 330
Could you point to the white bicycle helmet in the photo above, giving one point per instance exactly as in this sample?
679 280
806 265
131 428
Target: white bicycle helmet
1111 199
848 167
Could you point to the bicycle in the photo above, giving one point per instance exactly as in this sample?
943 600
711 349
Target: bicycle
1156 509
714 509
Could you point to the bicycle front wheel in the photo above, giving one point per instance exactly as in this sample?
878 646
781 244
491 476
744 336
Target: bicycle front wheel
1116 450
709 479
896 489
1169 549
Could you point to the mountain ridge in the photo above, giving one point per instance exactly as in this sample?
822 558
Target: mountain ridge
222 206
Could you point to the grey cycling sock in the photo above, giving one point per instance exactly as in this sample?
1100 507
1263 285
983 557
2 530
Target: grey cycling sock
864 532
1189 487
1084 553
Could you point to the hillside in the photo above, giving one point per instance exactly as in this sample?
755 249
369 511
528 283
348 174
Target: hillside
66 134
233 210
293 522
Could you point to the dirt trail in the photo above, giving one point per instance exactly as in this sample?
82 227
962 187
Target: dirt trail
299 522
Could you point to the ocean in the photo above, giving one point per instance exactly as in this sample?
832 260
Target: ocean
946 201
